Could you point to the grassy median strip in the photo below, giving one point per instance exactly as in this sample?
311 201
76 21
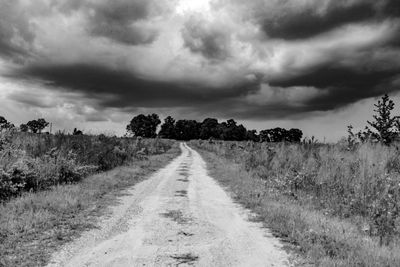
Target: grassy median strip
321 239
34 225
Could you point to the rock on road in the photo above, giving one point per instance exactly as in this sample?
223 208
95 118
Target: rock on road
178 217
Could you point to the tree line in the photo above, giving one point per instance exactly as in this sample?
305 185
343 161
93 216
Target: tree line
33 126
146 126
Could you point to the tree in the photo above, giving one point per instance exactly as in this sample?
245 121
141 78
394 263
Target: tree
209 129
37 126
144 126
4 124
384 123
264 136
230 131
280 135
187 129
294 135
252 135
274 135
168 128
24 128
3 121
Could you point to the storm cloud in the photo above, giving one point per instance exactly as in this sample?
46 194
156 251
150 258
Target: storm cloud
124 21
322 16
263 59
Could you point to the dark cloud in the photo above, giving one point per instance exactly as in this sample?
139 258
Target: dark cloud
341 86
291 22
304 23
391 8
338 77
119 88
118 20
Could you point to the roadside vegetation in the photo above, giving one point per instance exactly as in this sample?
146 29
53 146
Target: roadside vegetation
337 204
53 187
337 207
33 162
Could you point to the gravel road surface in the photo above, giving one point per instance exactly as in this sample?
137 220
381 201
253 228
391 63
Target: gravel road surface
178 217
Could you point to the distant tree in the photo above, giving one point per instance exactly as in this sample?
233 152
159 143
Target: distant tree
230 131
3 121
168 128
24 128
252 135
209 129
384 123
280 135
144 126
37 126
187 129
294 135
77 132
264 136
273 135
4 124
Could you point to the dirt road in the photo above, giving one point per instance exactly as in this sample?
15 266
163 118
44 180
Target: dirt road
178 217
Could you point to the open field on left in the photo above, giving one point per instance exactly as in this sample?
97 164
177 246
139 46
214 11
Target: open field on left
54 187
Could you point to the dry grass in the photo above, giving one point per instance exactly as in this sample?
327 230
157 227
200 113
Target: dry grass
33 162
187 259
318 198
34 225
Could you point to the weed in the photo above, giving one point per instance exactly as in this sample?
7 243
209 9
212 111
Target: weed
187 258
181 193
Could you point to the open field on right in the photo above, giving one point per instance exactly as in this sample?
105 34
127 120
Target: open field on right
336 205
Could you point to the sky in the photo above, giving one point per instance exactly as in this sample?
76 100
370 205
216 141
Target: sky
317 65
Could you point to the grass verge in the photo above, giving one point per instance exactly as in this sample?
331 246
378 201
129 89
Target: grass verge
34 225
322 240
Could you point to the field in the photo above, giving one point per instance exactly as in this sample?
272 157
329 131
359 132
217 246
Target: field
54 187
332 204
337 206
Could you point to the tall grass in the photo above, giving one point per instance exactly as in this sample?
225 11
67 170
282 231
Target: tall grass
44 200
35 224
32 162
359 184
